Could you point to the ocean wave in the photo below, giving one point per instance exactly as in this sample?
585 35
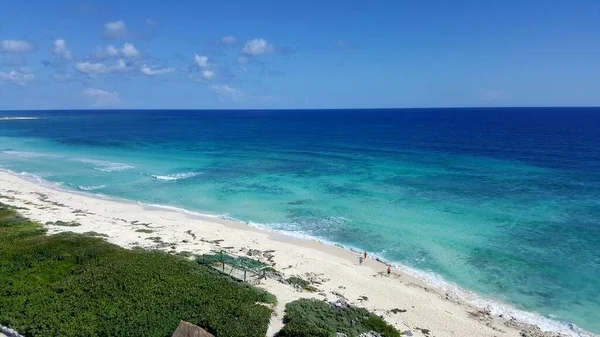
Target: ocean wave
17 118
183 210
38 177
26 154
176 176
91 188
105 166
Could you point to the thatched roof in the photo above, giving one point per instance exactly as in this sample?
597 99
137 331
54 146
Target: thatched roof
186 329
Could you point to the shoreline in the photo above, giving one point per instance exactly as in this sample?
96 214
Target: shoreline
421 306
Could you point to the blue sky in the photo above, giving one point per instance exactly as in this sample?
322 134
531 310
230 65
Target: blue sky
302 54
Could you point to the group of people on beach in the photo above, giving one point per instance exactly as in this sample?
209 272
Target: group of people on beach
363 257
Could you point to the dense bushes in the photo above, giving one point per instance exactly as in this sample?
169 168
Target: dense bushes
75 285
314 318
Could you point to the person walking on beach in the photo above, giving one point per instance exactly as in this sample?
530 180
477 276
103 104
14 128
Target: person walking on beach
389 270
360 260
365 254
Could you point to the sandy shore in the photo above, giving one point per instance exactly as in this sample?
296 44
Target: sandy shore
404 301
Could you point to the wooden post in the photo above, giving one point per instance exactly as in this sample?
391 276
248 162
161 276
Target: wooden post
223 260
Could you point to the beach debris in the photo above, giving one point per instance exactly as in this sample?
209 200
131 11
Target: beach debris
315 278
63 223
189 232
424 331
81 212
407 333
44 197
253 252
301 284
338 294
398 311
529 330
363 298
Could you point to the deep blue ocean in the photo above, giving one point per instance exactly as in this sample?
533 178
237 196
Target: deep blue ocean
501 202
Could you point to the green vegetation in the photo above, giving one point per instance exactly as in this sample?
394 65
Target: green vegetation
185 253
301 283
64 223
314 318
96 234
72 285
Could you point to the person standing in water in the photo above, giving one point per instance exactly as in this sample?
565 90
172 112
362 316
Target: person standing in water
365 254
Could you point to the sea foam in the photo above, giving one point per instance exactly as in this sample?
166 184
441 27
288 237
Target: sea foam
105 166
176 176
26 154
91 188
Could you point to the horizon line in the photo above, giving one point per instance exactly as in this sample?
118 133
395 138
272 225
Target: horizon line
308 109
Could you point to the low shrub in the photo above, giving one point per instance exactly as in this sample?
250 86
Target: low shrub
302 284
73 285
315 318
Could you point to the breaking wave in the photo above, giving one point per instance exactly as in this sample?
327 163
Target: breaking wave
105 166
176 176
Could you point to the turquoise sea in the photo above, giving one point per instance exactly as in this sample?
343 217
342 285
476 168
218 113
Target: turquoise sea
504 203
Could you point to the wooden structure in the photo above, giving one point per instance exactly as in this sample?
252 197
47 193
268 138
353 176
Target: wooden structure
186 329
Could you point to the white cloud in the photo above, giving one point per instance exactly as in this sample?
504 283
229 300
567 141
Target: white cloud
257 47
15 46
115 30
100 97
202 61
225 91
91 68
208 74
16 77
150 70
202 76
60 51
128 51
111 51
95 69
229 40
242 60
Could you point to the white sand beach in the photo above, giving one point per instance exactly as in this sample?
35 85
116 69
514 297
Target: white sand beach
404 301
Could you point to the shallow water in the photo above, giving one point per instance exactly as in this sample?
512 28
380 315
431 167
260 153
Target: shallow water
503 202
